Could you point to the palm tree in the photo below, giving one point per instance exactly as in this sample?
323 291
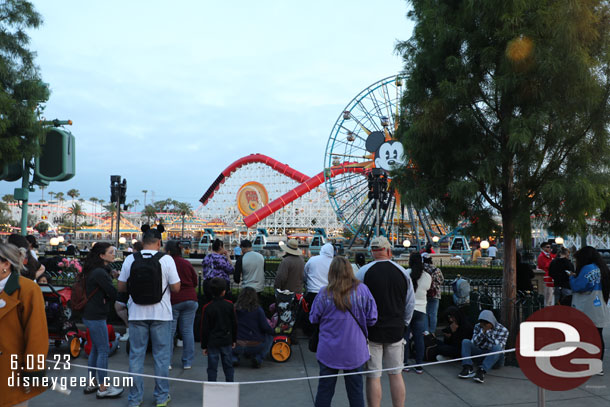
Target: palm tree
75 210
149 212
185 210
51 195
60 197
110 212
135 203
8 198
42 188
144 191
95 201
74 193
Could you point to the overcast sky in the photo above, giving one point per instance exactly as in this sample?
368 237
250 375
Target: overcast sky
168 94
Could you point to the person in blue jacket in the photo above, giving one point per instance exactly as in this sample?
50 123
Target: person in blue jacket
591 288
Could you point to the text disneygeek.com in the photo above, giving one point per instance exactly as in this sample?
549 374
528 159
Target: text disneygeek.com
16 380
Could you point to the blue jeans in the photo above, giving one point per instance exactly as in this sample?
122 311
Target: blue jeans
417 326
98 357
224 353
184 315
470 349
259 352
326 387
431 314
159 333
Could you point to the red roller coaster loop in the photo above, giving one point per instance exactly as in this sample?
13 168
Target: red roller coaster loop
283 169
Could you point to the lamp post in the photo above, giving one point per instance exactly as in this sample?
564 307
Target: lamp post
559 240
484 245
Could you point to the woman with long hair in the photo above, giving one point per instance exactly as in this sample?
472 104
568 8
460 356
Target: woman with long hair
421 284
254 335
590 285
343 309
23 325
184 304
100 294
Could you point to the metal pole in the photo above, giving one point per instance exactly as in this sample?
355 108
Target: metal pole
25 185
118 220
541 397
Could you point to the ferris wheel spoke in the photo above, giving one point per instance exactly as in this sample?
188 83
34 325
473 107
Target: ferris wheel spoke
376 104
368 115
358 197
349 189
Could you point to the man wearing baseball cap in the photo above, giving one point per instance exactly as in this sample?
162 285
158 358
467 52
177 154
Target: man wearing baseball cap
393 292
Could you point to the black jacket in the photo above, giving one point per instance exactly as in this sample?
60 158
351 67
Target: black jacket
99 303
218 324
557 270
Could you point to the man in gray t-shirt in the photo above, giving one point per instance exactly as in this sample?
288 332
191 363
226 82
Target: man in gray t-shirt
250 268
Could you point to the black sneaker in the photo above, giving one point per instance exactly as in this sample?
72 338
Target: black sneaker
466 372
480 376
256 364
91 389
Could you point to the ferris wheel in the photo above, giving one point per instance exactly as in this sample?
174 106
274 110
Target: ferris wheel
360 153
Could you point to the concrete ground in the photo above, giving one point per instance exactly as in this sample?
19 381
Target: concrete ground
438 386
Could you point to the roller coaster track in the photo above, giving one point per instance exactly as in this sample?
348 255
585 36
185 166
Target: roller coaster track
307 183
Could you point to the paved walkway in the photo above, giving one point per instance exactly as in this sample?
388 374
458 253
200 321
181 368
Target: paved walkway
438 386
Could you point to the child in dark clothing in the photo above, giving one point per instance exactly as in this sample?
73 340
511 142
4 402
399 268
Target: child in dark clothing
218 331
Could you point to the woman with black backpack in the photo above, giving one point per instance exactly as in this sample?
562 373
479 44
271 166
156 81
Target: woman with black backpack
100 294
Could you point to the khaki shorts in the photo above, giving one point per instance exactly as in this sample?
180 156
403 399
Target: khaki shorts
386 355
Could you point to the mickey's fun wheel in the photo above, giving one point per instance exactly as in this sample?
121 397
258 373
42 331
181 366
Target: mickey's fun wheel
74 345
362 139
280 350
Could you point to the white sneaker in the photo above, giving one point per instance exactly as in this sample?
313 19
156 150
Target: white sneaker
125 337
110 392
179 343
170 367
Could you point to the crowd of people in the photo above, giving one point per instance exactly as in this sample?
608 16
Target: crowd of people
367 317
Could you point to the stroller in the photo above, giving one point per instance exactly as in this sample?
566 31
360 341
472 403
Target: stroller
286 309
60 324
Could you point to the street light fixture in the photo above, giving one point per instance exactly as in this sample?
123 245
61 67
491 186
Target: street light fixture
406 243
559 240
122 240
54 241
435 239
60 239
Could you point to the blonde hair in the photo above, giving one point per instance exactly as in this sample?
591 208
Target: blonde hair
341 282
13 255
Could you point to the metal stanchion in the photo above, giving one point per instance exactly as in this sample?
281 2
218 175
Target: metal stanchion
541 397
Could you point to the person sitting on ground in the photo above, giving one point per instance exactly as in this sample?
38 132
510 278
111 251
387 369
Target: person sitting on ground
254 335
458 329
489 336
218 331
560 269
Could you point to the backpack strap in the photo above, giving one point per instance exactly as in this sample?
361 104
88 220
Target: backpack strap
158 256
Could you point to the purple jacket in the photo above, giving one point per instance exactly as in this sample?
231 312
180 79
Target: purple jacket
216 265
342 344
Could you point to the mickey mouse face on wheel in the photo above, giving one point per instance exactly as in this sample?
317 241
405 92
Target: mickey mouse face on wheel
389 155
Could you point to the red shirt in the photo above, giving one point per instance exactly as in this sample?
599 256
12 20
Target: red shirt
188 281
544 261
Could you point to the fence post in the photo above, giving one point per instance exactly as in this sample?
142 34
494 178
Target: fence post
541 397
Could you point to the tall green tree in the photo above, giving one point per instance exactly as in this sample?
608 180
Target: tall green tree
21 89
184 209
505 112
110 212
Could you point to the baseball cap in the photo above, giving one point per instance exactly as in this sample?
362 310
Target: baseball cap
380 242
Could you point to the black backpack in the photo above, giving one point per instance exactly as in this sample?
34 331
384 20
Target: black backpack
145 282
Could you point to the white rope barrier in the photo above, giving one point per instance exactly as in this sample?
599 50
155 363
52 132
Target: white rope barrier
292 379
